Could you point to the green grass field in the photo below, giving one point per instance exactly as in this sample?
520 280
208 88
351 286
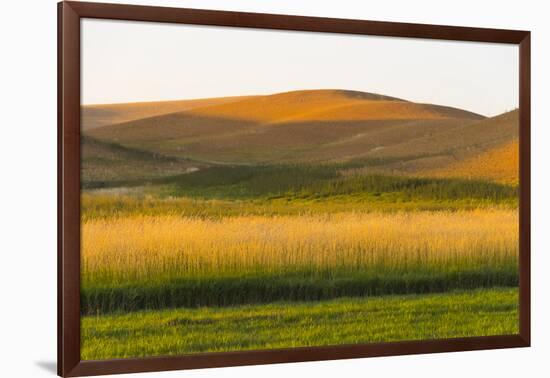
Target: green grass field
307 181
290 190
297 324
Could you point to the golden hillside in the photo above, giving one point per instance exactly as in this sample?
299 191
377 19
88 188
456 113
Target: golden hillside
327 105
500 164
313 125
375 132
437 149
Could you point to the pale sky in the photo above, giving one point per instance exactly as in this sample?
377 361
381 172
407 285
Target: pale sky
126 61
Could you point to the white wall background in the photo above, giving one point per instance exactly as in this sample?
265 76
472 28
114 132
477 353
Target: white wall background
28 187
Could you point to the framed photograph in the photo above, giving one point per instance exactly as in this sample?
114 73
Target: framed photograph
239 188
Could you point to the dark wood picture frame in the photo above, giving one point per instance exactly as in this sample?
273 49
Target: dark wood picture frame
69 16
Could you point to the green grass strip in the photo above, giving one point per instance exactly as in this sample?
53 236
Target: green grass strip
282 325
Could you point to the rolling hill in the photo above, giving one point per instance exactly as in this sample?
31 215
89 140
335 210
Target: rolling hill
292 126
107 114
377 133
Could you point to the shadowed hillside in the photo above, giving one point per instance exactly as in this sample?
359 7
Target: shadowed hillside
105 164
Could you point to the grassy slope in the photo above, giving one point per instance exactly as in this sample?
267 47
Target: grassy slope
450 146
324 181
500 164
318 182
294 126
107 164
280 325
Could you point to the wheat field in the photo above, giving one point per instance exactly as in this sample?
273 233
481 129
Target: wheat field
148 248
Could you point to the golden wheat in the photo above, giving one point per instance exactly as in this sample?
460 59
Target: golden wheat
145 247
